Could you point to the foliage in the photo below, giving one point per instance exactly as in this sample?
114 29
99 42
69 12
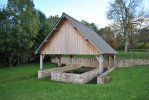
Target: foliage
18 33
22 30
46 25
52 21
144 37
141 45
93 26
126 84
144 34
108 35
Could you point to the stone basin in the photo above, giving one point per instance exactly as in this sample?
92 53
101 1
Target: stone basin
80 74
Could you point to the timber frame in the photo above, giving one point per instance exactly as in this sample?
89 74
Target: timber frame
70 37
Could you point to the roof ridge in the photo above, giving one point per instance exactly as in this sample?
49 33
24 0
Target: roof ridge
79 22
71 17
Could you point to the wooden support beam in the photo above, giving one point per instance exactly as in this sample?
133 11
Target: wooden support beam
109 61
41 61
71 56
114 60
100 59
59 60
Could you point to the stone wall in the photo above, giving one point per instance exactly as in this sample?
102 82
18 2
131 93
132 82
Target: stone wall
47 72
60 74
93 62
75 78
130 62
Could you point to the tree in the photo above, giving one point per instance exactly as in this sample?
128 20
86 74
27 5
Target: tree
46 25
144 36
108 35
51 21
124 13
22 30
93 26
3 35
42 31
21 25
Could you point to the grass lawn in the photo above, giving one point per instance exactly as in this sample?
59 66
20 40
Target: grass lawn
21 83
121 54
133 54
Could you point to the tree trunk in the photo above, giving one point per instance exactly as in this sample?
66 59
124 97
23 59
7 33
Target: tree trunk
126 46
126 40
18 58
10 62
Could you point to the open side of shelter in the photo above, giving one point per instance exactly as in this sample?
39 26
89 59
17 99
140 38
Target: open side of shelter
70 37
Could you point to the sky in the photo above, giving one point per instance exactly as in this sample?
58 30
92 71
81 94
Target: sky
93 11
89 10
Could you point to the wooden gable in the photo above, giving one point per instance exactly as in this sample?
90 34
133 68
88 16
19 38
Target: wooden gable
68 40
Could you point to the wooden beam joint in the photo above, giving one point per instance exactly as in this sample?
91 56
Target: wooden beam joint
100 60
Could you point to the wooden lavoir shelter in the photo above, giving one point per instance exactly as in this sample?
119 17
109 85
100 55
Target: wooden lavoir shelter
70 37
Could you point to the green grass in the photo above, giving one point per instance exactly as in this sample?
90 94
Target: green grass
133 55
21 83
21 72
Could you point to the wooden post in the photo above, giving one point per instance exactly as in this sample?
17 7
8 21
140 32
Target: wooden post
71 56
41 61
59 60
114 58
109 62
100 59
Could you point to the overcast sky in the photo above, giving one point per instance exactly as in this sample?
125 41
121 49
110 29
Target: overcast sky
89 10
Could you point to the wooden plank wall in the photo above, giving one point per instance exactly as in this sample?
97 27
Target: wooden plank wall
68 40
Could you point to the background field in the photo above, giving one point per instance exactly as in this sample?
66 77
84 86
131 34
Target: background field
133 55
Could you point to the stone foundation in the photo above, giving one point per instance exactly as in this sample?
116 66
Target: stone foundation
47 72
75 78
103 78
60 74
94 62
